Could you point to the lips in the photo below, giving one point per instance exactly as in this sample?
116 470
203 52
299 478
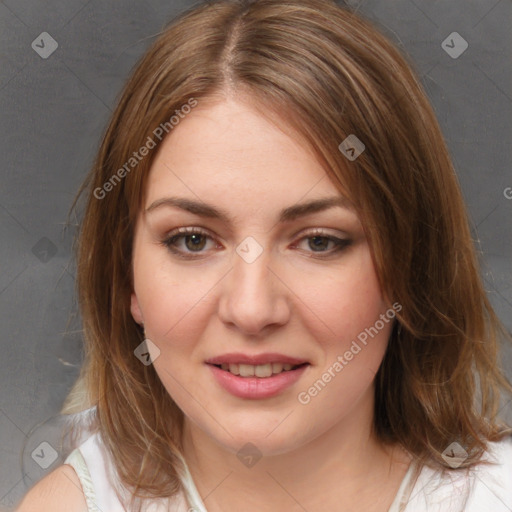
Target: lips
256 376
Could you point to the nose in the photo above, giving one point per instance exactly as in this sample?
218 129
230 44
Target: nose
254 296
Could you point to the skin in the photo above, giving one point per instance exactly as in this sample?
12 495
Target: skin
290 300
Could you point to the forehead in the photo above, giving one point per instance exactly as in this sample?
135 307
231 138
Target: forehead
229 153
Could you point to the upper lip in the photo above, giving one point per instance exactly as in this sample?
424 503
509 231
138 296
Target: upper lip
237 358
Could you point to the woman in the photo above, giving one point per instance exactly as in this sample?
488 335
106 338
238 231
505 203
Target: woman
280 295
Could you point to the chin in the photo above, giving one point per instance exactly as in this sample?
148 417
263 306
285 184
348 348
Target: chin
261 445
269 441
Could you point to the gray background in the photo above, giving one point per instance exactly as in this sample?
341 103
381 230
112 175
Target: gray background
55 109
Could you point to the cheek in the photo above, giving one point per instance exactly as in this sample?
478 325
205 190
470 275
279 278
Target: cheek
176 315
347 303
174 300
353 337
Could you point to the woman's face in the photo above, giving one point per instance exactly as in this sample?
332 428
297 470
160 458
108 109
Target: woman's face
261 286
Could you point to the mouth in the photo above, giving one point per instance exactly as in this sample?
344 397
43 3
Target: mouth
258 376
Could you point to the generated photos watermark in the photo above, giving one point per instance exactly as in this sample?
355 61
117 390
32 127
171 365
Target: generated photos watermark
305 397
151 142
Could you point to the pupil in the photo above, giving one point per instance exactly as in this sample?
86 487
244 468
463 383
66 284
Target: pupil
320 239
196 239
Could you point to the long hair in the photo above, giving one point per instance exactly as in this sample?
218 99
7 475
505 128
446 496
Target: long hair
327 74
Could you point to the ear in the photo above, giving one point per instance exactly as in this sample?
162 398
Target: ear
135 309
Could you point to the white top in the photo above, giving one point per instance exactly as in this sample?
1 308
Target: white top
479 489
97 475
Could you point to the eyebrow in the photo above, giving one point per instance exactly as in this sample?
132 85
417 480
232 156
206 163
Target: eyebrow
286 215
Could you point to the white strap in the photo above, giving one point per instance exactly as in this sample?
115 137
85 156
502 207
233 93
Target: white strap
193 498
76 460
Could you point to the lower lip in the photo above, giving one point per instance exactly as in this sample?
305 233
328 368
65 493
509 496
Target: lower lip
256 387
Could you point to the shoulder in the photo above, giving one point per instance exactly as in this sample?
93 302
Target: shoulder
485 486
60 491
497 462
501 451
492 480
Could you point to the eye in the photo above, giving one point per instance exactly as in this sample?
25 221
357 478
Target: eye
319 241
195 240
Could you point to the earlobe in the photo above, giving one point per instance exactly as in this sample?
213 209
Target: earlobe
135 309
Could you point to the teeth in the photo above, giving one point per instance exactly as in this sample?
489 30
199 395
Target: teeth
259 370
263 370
277 367
246 370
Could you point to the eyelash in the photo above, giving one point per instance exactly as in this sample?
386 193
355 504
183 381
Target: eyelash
170 242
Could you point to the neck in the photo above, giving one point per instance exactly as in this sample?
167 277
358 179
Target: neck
333 471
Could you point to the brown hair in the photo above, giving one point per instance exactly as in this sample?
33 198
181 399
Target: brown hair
326 73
